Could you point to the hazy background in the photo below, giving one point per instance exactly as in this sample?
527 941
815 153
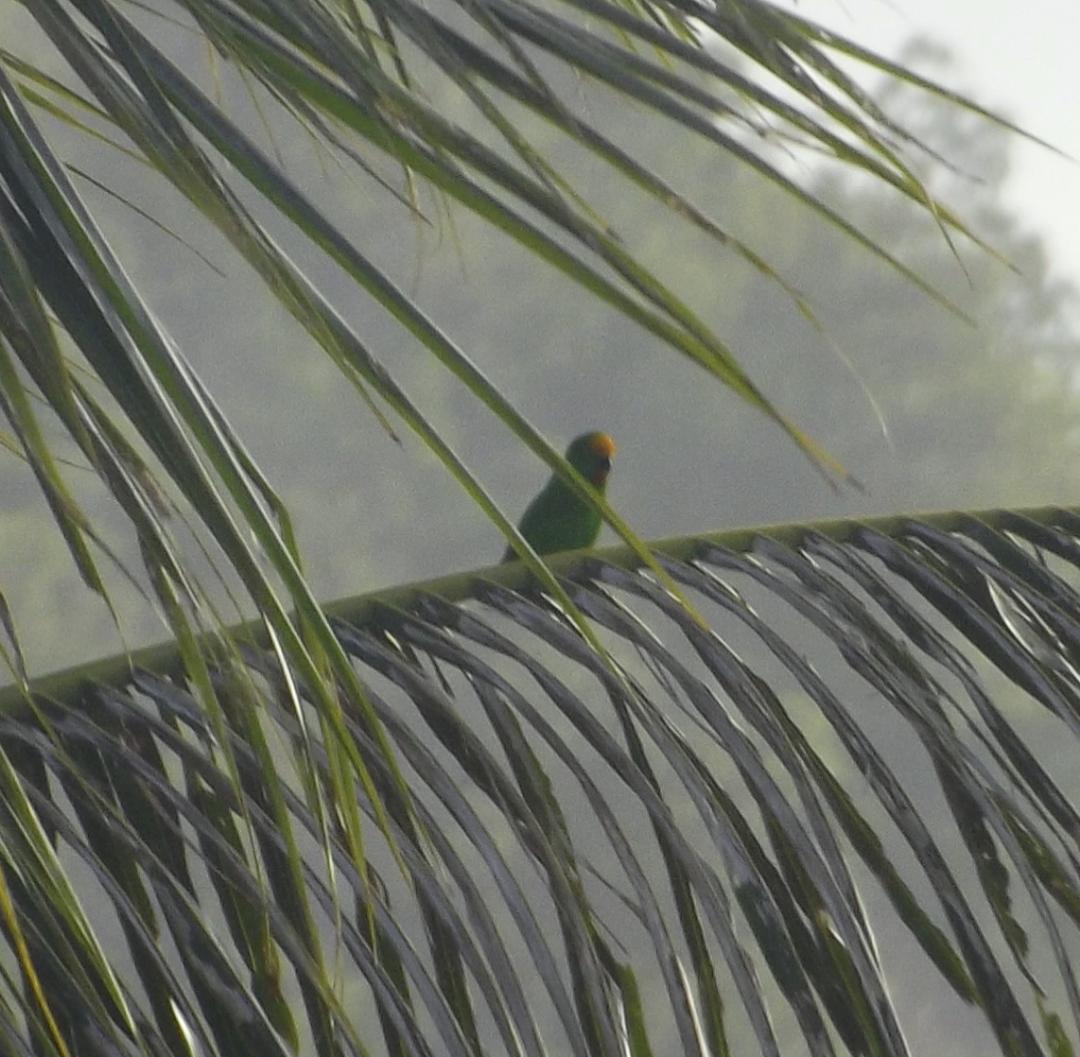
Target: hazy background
1016 59
973 416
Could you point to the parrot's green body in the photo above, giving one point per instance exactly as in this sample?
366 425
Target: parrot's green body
558 519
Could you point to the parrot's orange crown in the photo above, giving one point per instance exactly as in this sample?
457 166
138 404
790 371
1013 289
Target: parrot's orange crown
602 445
590 454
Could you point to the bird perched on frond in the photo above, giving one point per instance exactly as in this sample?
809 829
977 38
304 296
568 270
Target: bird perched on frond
558 519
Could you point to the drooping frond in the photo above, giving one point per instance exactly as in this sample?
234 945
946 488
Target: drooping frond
725 839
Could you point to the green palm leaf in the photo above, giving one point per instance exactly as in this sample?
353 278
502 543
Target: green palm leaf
702 826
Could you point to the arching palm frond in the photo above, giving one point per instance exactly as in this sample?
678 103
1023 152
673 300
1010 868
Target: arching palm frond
372 85
706 841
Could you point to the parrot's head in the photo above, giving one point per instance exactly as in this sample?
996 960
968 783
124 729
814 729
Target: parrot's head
590 454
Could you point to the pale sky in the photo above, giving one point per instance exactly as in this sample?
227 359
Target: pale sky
1014 56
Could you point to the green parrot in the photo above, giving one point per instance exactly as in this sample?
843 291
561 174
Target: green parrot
558 519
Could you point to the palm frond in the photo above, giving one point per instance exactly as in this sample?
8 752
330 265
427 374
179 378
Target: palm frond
361 80
708 842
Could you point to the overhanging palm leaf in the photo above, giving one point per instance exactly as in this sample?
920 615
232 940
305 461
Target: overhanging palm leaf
674 852
361 80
